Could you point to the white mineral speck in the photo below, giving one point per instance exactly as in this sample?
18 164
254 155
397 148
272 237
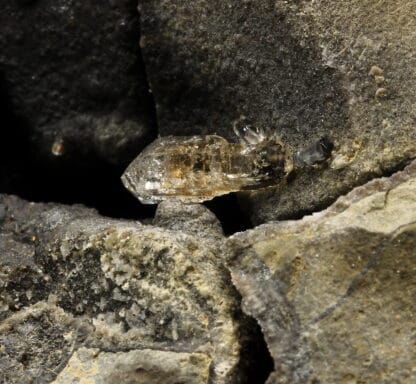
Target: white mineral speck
152 185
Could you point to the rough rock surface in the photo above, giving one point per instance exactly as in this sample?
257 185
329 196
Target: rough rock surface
335 292
86 298
141 367
190 218
306 69
73 90
124 292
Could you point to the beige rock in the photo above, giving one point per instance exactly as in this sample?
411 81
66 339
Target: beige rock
335 292
147 366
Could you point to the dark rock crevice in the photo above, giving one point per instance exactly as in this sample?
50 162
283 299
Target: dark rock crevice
72 122
256 360
247 206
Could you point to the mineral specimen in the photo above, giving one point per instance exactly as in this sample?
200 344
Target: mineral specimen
197 168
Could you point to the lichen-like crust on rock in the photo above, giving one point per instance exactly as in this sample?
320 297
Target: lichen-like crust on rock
117 291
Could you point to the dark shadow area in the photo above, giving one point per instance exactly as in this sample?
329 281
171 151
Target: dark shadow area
256 360
78 83
26 174
14 143
29 175
229 213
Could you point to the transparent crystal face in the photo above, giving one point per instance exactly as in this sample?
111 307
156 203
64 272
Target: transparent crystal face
198 168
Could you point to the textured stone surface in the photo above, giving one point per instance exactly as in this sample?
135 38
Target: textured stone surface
302 68
209 63
134 288
73 91
190 218
141 367
335 292
36 343
84 297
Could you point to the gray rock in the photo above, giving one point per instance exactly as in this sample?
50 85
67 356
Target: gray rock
211 63
301 68
77 87
334 292
194 219
164 296
36 343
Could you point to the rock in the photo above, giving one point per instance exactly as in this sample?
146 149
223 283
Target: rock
144 367
36 343
194 219
74 92
334 292
301 68
140 296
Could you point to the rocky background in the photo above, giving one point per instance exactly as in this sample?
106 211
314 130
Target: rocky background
309 282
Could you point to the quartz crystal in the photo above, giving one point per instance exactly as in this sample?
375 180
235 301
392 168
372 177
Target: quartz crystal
197 168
